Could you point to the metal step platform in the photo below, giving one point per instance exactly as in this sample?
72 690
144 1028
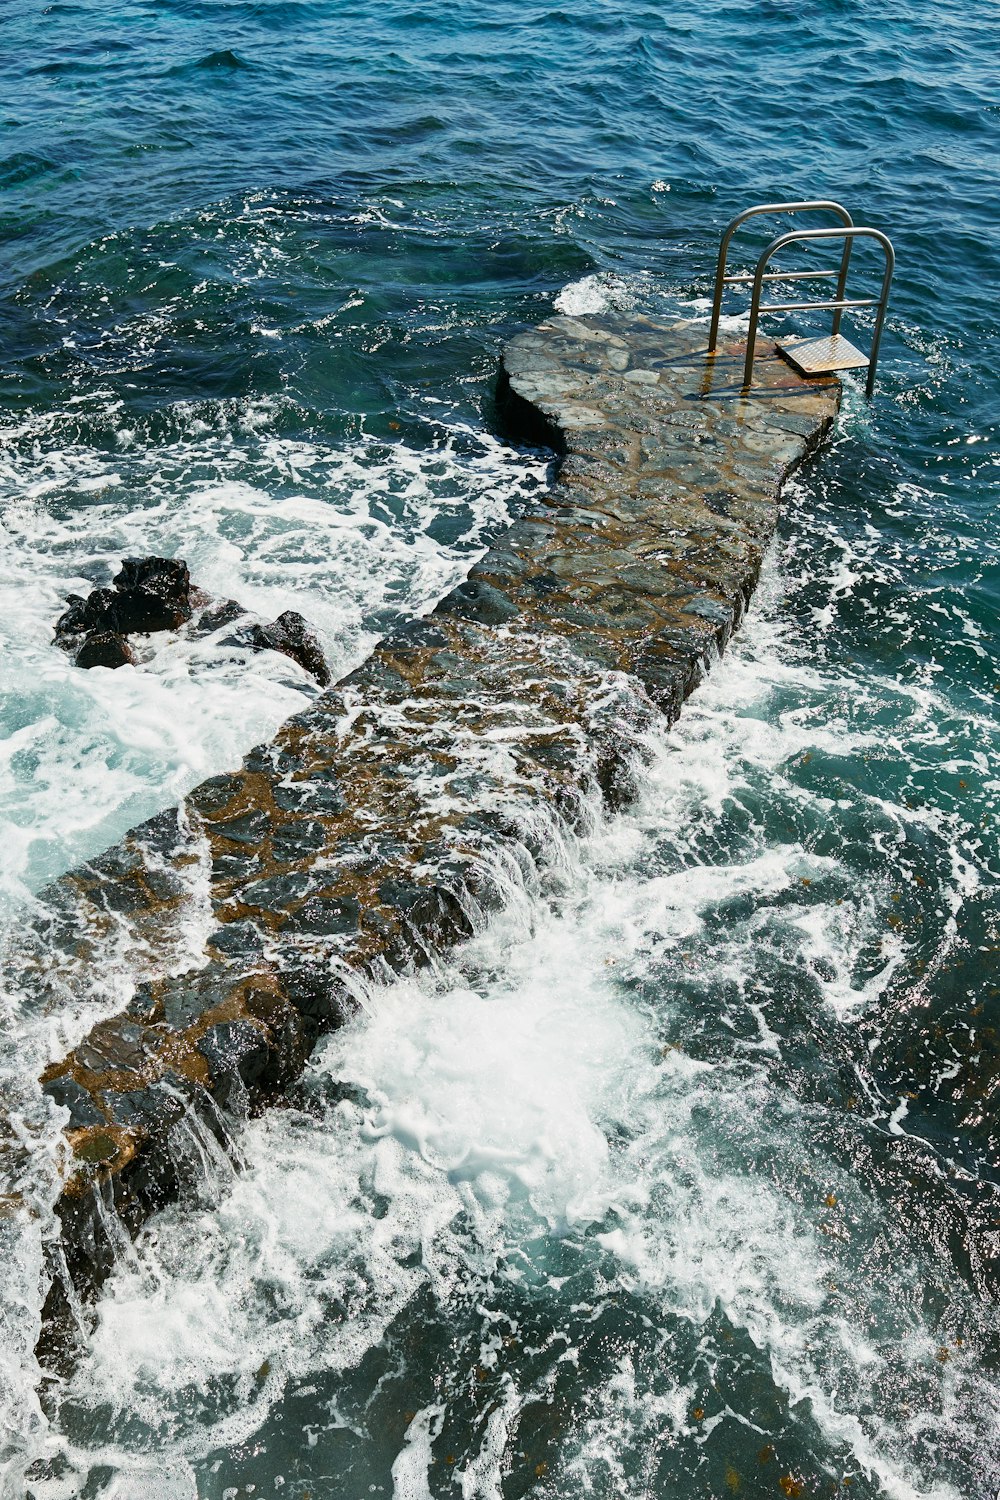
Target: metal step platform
822 356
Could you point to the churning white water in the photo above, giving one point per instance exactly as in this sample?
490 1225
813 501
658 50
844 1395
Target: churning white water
613 1201
350 537
578 1206
353 537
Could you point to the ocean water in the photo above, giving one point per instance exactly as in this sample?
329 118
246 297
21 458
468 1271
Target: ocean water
681 1179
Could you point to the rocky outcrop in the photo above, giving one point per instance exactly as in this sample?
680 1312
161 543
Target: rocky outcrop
153 594
290 635
380 825
105 648
149 593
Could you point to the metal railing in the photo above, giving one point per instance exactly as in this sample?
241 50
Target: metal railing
855 232
848 232
819 205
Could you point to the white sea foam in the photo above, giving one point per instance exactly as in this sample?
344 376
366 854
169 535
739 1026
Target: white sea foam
545 1090
599 1081
596 293
345 536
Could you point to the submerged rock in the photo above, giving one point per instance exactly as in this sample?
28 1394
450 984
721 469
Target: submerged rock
214 614
290 635
105 648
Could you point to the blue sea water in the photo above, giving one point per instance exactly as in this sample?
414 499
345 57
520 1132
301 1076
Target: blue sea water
737 1069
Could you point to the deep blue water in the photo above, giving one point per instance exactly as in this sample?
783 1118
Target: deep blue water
257 262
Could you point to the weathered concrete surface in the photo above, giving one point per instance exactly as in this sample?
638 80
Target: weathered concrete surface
372 831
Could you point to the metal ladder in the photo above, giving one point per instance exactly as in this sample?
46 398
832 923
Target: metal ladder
817 356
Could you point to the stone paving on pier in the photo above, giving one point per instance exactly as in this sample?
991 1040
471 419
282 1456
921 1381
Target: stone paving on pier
374 830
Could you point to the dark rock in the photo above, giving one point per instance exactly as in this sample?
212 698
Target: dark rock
249 829
314 719
479 601
376 675
414 635
297 839
432 913
115 1045
557 755
215 794
617 774
76 620
98 606
243 866
378 922
116 863
274 760
67 1092
545 583
216 614
105 648
84 615
309 796
163 836
715 610
149 593
153 593
47 1471
236 940
278 892
243 1055
521 420
315 993
666 676
290 635
325 916
144 1005
188 997
126 897
151 1109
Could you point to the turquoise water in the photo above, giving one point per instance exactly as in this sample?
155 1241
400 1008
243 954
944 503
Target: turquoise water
734 1068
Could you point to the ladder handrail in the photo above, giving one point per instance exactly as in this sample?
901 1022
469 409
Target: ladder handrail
849 235
817 205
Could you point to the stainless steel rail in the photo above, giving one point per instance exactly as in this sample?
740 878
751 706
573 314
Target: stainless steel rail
810 236
817 205
804 306
781 276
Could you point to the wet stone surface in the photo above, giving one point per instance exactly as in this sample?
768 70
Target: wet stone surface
364 837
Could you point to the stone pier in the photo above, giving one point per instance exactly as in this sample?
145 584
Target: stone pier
373 831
